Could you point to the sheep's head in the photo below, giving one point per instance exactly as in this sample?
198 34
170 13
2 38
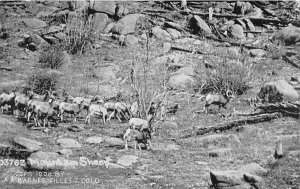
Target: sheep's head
230 94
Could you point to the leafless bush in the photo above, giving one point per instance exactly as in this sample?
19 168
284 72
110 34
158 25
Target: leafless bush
79 34
42 81
52 56
225 75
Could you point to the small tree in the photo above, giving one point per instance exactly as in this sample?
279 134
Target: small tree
42 81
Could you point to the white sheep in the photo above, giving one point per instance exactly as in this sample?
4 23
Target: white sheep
118 108
98 110
21 101
218 99
138 137
71 108
141 124
7 99
44 110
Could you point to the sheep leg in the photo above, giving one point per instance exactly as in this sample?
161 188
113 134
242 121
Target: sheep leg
87 119
206 108
61 116
135 143
103 117
112 114
28 116
118 115
126 144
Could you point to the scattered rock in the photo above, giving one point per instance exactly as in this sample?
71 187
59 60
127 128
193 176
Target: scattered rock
223 5
164 147
127 160
255 181
175 34
99 21
48 161
276 91
250 24
66 152
76 128
112 141
199 25
181 81
115 166
107 7
296 77
160 33
127 24
109 27
257 52
233 52
187 70
120 11
236 31
173 25
254 169
228 178
68 143
221 152
167 47
130 41
94 140
289 35
44 14
34 23
29 144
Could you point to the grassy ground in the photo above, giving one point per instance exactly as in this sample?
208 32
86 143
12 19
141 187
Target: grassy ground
190 164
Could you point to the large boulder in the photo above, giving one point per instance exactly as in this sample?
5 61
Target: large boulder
68 143
127 24
181 81
237 31
108 7
99 21
34 23
161 33
29 144
289 35
277 91
227 178
127 160
199 25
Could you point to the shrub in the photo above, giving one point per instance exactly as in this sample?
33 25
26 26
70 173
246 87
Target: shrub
226 75
52 57
40 81
79 34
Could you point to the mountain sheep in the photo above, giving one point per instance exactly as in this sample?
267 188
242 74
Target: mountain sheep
71 108
138 137
44 110
141 124
7 99
96 109
21 101
218 99
118 108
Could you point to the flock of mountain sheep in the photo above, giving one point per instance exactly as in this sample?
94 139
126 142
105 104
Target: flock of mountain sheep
47 107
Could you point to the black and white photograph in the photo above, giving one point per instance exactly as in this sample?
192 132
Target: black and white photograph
145 94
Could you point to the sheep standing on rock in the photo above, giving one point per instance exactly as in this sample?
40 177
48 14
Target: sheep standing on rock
138 137
7 99
218 99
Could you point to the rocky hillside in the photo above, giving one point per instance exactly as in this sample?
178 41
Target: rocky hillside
161 54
